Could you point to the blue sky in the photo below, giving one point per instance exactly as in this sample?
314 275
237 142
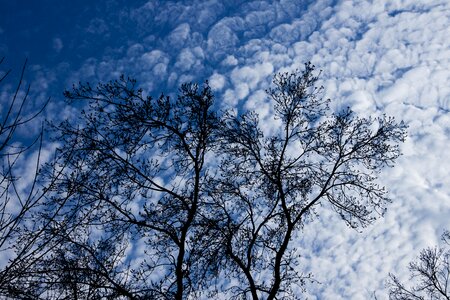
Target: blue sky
378 56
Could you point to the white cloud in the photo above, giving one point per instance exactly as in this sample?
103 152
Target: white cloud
185 60
190 59
375 60
135 50
153 57
251 75
260 17
221 39
230 60
179 35
230 99
377 56
217 82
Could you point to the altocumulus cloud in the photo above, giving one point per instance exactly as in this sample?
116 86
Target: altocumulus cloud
378 57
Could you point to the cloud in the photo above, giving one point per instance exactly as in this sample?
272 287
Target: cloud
221 40
189 59
377 57
217 81
230 60
57 45
179 35
97 26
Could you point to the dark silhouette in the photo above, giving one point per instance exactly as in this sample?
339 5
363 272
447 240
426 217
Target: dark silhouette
135 173
270 186
430 274
19 248
167 199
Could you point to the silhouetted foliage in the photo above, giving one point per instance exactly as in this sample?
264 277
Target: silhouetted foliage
18 195
270 185
430 274
167 199
135 173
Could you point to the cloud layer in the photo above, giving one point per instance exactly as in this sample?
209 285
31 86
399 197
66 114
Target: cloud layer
377 56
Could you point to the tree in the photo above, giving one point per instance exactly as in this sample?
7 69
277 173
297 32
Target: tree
135 175
270 186
16 202
203 194
431 273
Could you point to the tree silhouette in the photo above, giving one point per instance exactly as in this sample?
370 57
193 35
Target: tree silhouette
160 197
19 196
431 273
135 173
271 185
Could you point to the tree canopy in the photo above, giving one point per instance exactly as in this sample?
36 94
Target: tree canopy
163 198
430 275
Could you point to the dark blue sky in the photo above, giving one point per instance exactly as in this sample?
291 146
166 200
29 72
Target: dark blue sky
59 37
51 32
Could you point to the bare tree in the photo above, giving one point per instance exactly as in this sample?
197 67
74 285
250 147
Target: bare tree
270 186
17 203
135 175
430 274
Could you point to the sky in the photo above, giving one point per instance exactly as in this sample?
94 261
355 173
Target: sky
378 57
